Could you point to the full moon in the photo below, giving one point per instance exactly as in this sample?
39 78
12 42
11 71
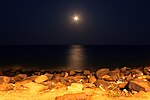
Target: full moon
76 18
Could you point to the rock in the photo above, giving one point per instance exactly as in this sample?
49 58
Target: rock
92 79
49 76
146 70
75 96
129 78
88 85
72 72
79 79
75 87
23 76
102 72
41 79
35 88
103 84
122 84
17 78
51 84
6 87
114 75
86 72
66 74
124 69
4 79
139 86
107 78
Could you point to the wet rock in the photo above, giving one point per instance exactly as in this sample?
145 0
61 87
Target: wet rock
75 87
102 72
35 88
4 79
86 72
92 79
41 79
72 72
139 86
75 96
6 87
103 84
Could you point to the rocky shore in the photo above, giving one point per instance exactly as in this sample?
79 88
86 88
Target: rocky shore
76 85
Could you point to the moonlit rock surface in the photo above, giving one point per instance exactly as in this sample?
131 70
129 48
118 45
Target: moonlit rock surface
41 79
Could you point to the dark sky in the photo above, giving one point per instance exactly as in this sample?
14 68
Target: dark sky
50 22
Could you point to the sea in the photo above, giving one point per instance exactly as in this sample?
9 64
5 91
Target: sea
75 57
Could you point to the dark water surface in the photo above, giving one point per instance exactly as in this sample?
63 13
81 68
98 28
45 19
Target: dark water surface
78 57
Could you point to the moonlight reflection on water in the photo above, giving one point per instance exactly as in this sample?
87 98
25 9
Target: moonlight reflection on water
76 57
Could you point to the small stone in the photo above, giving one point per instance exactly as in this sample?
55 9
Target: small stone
86 72
41 79
92 79
66 74
49 76
79 79
102 72
103 84
72 72
88 85
23 76
129 78
147 70
122 84
107 78
139 86
17 78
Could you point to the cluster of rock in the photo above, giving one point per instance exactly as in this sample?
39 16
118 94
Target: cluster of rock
124 80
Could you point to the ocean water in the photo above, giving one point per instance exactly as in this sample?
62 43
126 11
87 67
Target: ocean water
77 57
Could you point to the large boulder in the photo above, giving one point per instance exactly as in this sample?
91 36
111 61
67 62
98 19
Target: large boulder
139 86
102 72
41 79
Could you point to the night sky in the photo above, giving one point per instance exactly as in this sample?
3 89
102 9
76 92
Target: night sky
37 22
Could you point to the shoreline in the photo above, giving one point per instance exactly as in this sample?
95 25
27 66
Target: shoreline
87 85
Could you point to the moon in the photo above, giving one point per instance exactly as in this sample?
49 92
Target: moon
76 18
